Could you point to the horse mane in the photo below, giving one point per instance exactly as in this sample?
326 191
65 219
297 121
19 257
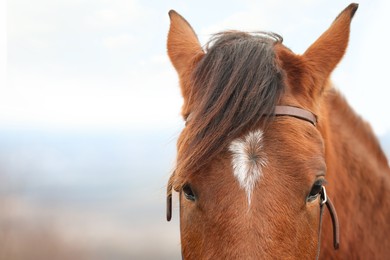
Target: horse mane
235 86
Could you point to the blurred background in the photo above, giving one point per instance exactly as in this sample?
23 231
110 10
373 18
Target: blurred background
89 113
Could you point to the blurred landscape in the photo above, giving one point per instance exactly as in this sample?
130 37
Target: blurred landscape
86 195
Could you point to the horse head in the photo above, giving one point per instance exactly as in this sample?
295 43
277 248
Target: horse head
251 163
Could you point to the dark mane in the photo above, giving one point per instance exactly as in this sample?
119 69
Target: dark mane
236 84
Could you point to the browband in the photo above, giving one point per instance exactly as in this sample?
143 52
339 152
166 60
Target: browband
288 111
296 112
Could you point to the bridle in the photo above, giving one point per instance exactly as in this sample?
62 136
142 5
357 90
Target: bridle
306 115
336 233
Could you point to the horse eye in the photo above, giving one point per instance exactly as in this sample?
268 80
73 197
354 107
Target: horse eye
188 193
315 190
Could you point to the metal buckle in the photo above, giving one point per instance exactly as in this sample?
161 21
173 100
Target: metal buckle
324 198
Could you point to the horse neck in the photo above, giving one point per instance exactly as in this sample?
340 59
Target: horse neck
347 129
359 179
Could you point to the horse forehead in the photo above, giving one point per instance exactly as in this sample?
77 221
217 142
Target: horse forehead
248 160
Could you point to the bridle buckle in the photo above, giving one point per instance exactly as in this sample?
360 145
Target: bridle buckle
323 196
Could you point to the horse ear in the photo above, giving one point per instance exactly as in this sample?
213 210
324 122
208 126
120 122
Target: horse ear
184 49
326 52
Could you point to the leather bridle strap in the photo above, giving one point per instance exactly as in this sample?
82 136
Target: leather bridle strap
296 112
335 221
286 111
169 197
336 233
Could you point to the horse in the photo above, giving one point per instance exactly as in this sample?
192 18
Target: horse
268 144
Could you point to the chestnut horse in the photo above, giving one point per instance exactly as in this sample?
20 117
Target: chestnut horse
265 131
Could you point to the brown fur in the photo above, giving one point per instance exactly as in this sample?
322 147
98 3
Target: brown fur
227 90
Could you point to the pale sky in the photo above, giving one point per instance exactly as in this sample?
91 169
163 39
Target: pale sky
102 64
